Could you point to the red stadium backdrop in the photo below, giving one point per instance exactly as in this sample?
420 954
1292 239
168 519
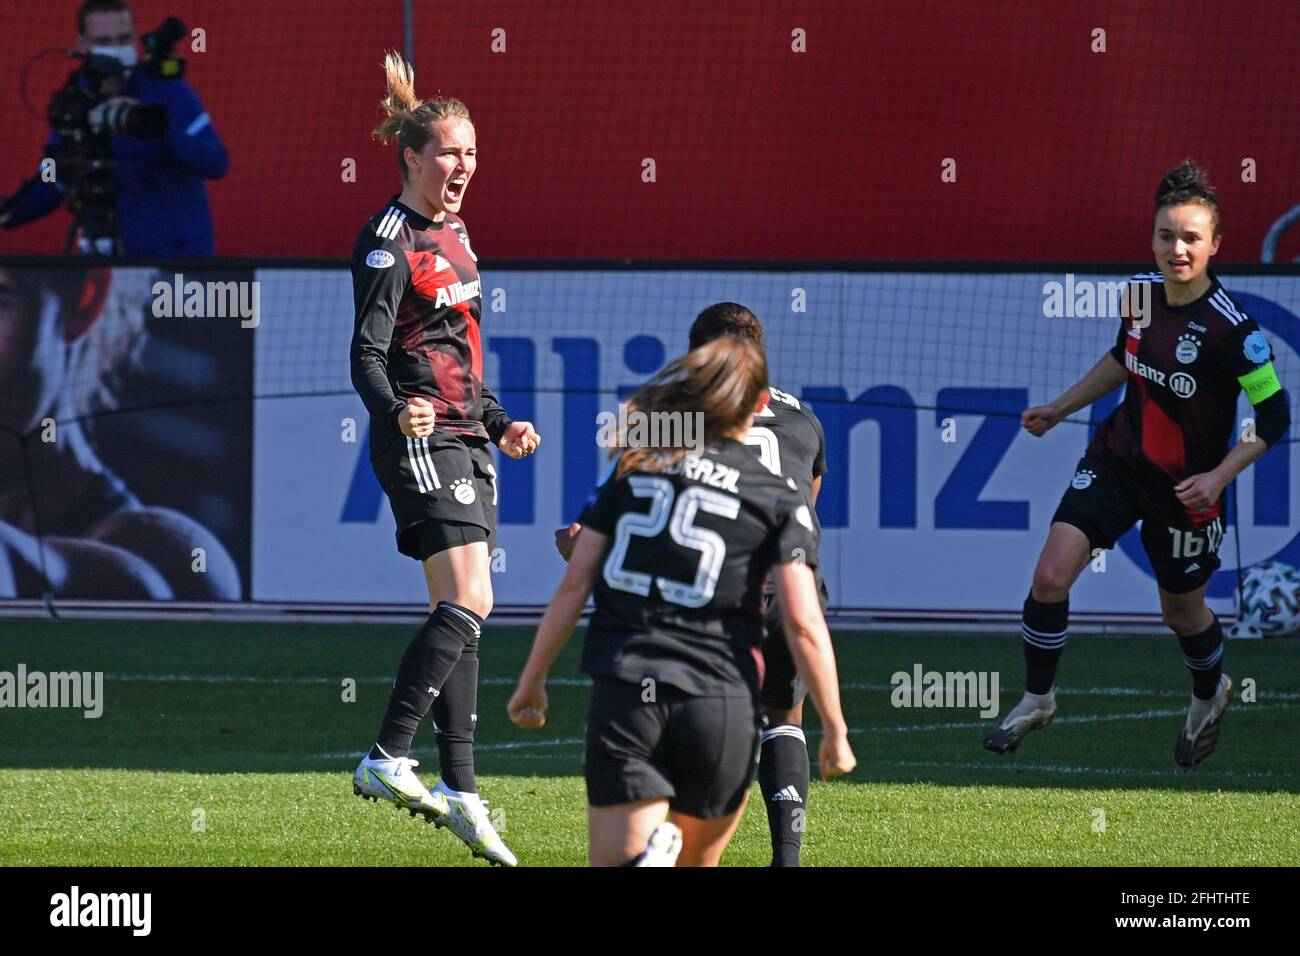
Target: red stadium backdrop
760 152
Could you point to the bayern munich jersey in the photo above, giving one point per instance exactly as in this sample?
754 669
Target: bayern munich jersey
678 596
415 284
1178 417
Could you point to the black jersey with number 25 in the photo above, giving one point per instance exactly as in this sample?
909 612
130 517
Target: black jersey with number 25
677 599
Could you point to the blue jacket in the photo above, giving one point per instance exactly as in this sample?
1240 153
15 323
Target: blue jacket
162 202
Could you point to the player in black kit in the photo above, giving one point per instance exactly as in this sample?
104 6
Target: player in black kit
677 546
789 439
417 363
1159 458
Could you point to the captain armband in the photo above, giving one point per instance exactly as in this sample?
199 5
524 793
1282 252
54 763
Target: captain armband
1260 384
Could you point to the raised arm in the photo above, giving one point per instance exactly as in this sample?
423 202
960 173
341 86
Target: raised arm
1102 379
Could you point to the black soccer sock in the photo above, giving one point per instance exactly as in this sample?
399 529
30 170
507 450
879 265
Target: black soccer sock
1203 654
430 658
1044 629
455 714
783 773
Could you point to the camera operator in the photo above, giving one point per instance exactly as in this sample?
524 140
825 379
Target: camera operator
133 172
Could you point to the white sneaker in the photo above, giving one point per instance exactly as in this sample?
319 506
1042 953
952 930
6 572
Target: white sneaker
664 845
1200 734
467 817
395 780
1033 712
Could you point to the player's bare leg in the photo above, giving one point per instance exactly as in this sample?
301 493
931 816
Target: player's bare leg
462 576
632 834
1063 558
704 840
1044 629
1201 639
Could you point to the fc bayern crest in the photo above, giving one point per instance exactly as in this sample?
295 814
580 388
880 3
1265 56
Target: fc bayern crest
463 490
1187 349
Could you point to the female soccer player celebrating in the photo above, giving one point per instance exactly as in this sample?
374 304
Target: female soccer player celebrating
677 547
788 438
1158 458
417 363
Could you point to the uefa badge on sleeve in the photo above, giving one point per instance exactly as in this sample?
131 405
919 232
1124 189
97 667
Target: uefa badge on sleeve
1256 347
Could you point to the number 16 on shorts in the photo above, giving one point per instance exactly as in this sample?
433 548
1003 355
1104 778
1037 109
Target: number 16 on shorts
1192 544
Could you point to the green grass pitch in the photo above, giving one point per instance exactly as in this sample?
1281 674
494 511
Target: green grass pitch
231 744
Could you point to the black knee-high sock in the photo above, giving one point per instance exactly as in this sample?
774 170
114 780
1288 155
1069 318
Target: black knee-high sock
430 658
1044 630
1203 653
455 714
783 773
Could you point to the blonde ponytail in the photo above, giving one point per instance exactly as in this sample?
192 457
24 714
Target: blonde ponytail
401 101
408 119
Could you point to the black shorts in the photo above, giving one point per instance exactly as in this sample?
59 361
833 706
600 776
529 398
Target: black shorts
1103 506
782 688
700 753
441 488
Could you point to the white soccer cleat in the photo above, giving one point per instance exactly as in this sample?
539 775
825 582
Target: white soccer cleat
1033 712
395 780
664 845
467 817
1200 734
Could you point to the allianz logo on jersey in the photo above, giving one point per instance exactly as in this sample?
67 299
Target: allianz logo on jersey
1180 383
456 293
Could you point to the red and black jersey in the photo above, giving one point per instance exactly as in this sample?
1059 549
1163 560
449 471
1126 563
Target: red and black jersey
415 284
1186 368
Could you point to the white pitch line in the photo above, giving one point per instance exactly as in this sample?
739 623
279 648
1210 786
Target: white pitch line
1058 768
478 748
1263 695
973 724
895 729
335 681
1100 691
1068 719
